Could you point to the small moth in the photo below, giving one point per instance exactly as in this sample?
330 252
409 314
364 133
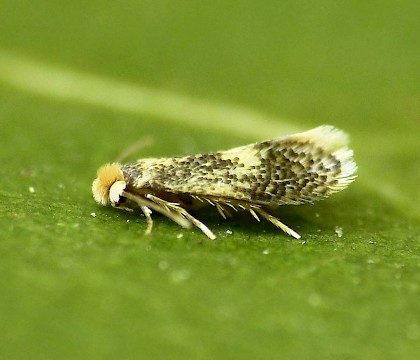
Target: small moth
290 170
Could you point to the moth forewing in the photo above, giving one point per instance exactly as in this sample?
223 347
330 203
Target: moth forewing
289 170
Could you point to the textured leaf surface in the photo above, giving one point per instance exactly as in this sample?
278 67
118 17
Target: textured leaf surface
81 82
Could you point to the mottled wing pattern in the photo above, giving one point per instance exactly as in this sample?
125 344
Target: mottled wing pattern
294 169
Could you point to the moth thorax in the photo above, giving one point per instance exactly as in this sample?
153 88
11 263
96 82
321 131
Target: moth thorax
109 184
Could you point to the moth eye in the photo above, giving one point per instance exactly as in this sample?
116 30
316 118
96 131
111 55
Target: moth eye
121 202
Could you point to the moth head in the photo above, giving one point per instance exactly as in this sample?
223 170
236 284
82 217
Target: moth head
109 184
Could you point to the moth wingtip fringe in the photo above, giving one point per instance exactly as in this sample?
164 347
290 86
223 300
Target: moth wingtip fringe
335 141
108 184
347 173
348 165
327 136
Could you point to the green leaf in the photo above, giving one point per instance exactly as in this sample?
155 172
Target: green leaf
81 82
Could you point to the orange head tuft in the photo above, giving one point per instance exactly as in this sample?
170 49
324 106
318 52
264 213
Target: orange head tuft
109 184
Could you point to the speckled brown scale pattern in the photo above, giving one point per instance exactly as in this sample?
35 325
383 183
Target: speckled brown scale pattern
294 170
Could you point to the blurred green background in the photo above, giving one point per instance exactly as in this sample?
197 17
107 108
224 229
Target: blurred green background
80 81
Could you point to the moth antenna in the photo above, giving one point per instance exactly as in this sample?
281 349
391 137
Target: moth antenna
135 147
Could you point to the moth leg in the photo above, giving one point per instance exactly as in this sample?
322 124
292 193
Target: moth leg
254 214
147 213
180 210
222 210
197 223
276 222
141 201
219 205
232 206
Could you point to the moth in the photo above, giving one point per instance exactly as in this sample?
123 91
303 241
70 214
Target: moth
290 170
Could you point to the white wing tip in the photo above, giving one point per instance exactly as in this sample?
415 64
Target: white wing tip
327 136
